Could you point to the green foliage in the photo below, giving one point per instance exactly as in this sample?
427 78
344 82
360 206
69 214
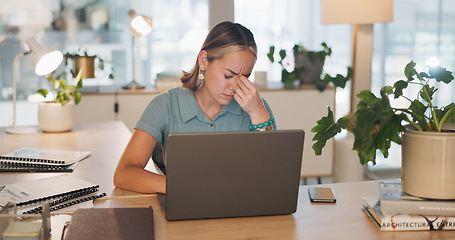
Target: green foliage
339 80
289 77
62 91
326 129
376 123
270 54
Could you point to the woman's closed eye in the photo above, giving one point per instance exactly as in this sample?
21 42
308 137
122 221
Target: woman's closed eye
228 77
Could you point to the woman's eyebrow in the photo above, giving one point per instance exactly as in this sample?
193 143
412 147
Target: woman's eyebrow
232 72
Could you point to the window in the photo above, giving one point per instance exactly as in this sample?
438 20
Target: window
422 31
98 28
290 22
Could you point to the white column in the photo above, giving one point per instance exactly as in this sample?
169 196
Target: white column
363 52
220 11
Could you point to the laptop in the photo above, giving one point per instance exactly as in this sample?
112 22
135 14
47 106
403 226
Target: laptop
232 174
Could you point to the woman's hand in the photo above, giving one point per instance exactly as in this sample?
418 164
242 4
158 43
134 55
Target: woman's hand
249 99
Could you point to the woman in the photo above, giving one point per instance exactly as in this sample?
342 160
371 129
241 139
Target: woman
204 103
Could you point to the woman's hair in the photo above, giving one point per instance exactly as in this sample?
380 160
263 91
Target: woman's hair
224 38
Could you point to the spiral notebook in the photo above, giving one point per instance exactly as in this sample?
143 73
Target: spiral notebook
64 193
39 160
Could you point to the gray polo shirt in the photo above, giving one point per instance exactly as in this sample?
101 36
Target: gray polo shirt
176 111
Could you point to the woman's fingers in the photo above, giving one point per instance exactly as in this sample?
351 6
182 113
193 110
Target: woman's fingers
247 95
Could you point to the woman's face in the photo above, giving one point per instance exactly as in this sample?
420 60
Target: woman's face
221 74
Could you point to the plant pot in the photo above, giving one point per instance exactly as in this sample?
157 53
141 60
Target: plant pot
428 163
86 62
53 117
308 66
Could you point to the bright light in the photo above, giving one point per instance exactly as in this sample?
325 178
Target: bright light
433 62
141 26
48 63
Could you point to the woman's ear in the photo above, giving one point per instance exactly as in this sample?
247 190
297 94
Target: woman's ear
202 59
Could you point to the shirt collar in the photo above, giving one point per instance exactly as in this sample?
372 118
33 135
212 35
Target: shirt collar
189 108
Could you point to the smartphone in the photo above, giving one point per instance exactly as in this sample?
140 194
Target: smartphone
321 194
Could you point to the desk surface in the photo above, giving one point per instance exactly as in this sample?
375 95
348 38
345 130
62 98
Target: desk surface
343 220
105 140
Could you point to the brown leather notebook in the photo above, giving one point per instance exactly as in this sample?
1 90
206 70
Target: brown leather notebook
111 223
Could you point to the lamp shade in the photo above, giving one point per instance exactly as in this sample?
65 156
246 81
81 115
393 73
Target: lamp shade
140 25
45 59
356 11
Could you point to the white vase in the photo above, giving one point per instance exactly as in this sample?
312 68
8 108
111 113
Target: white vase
428 164
53 117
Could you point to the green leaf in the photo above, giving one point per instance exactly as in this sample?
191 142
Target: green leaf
447 114
320 85
339 80
376 125
43 92
77 97
327 129
399 86
79 84
424 75
288 79
366 98
440 74
55 83
427 92
282 55
49 77
409 71
417 111
327 50
270 54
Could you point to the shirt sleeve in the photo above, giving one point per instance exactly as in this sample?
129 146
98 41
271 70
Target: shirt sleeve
155 117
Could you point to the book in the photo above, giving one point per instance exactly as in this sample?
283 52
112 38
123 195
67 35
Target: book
61 192
37 157
39 160
405 222
112 224
16 168
394 200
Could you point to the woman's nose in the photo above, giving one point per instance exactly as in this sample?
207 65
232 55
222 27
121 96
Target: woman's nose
233 84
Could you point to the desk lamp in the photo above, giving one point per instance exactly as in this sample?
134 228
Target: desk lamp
140 25
362 14
45 60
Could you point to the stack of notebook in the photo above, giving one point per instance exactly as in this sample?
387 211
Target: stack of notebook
40 160
394 210
63 193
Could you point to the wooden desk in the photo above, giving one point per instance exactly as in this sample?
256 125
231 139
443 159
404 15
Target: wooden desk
105 140
343 220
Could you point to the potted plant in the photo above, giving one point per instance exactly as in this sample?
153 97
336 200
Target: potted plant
376 124
86 61
58 115
306 67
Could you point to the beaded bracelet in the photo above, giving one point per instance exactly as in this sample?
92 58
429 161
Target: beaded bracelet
268 128
261 125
